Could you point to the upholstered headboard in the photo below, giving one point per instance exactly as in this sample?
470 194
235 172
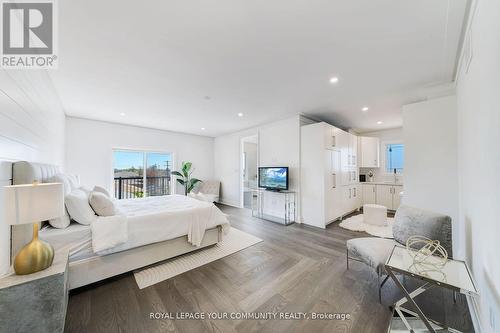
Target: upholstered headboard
26 173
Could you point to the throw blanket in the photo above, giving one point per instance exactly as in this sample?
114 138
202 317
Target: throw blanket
108 232
198 224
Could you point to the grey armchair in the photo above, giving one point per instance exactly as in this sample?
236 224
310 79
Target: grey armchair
409 221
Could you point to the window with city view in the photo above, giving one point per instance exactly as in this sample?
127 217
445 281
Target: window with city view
138 174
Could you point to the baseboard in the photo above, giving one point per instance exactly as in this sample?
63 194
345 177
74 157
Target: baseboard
229 203
474 314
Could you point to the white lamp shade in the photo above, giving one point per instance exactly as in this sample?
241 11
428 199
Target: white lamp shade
32 203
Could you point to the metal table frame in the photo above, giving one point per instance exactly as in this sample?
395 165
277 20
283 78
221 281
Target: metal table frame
409 296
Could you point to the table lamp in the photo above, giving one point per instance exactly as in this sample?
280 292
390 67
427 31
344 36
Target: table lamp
32 203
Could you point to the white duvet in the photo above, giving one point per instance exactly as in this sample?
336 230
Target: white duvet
155 219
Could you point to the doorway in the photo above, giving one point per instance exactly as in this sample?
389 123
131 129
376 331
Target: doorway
249 168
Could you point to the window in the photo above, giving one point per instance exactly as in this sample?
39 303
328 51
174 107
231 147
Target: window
138 174
394 157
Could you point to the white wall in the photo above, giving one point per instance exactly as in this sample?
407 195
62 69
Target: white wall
89 146
31 128
479 159
393 135
278 146
430 137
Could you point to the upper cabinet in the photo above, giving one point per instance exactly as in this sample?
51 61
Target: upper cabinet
370 152
331 136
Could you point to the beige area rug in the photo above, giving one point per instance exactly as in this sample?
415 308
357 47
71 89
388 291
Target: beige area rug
236 240
356 223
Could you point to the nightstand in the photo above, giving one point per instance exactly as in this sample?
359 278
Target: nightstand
36 302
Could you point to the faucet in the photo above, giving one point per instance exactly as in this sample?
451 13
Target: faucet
395 176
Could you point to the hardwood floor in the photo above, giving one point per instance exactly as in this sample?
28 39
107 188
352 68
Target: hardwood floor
295 269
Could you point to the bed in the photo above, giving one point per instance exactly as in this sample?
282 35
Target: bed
157 230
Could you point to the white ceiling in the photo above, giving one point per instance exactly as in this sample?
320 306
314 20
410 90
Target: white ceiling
183 65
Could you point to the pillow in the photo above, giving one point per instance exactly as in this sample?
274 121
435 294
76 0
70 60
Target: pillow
208 197
84 189
102 190
62 178
77 203
74 181
61 222
101 204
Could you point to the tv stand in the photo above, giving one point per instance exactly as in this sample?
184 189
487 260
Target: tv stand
274 205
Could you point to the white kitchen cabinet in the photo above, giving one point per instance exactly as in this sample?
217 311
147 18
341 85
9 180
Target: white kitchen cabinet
331 136
320 180
346 170
388 195
328 177
384 195
353 150
332 188
396 199
369 193
370 152
358 196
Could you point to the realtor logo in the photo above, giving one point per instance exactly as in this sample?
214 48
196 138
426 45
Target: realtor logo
28 38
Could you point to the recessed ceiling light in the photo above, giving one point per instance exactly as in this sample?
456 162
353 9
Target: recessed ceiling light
203 128
365 108
122 114
240 114
334 79
380 122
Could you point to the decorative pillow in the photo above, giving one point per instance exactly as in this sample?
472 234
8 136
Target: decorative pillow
101 190
101 204
77 203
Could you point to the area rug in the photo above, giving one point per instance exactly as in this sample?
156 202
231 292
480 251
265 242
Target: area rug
355 223
236 240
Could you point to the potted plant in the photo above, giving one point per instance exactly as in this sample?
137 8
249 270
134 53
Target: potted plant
184 177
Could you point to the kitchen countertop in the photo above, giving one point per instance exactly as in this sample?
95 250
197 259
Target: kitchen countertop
381 183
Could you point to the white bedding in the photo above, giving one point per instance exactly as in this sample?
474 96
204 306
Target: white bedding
156 219
149 220
76 237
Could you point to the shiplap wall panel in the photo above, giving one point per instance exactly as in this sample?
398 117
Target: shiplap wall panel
32 124
5 179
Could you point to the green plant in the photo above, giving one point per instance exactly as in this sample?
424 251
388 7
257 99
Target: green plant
184 177
138 194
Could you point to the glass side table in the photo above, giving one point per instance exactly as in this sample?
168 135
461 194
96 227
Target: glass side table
274 206
455 275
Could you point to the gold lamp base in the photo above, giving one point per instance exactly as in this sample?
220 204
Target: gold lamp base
35 256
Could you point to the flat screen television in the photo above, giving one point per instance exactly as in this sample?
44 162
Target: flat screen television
273 178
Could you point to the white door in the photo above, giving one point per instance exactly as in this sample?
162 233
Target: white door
396 199
369 194
384 196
